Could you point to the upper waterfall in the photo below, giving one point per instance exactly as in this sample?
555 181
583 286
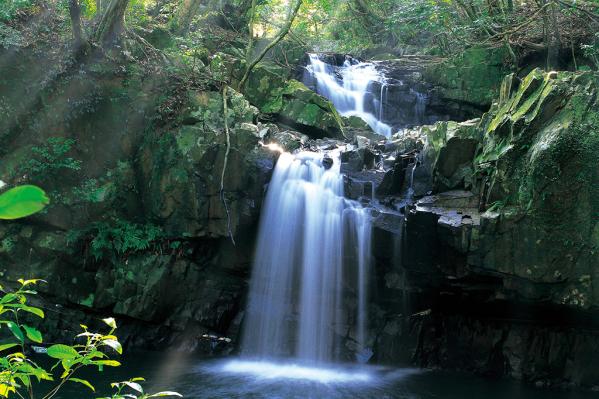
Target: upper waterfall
348 89
311 264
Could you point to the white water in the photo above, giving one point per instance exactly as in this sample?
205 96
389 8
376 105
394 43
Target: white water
266 370
312 258
350 94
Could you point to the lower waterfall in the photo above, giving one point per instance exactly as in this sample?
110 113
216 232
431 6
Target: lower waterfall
308 290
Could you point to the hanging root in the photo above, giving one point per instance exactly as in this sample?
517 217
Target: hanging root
226 160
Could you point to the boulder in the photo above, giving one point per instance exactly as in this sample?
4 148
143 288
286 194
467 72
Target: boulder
181 170
468 82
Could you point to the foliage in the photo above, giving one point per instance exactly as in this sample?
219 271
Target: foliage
22 201
10 8
10 37
88 8
591 50
89 191
121 237
134 386
19 372
50 159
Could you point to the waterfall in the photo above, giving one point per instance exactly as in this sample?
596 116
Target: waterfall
347 88
311 265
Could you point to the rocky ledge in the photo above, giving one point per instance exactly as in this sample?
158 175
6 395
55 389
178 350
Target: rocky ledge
499 265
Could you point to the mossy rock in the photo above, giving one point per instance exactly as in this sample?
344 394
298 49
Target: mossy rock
474 77
539 157
181 170
292 102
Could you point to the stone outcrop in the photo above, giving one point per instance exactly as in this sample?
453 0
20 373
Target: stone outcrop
138 227
292 103
501 271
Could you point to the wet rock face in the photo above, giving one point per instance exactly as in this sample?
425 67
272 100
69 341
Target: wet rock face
181 170
499 271
292 103
418 90
142 231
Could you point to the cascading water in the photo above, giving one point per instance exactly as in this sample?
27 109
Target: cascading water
313 248
349 91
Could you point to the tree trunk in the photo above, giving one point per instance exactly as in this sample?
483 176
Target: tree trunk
551 33
112 24
185 13
280 36
554 44
250 47
75 13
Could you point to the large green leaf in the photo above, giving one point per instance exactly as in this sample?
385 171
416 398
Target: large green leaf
60 351
84 382
33 334
4 347
16 331
22 201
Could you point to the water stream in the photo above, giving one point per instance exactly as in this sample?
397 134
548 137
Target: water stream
348 89
311 265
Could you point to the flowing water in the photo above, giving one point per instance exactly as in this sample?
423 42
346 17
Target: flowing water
311 264
309 291
222 379
348 89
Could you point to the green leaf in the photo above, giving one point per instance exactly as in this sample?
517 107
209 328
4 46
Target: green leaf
33 334
4 347
114 344
134 385
16 331
30 309
109 363
8 298
24 379
84 382
165 393
25 283
110 322
64 352
22 201
36 311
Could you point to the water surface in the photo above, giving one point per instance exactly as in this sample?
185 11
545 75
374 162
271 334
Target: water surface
223 379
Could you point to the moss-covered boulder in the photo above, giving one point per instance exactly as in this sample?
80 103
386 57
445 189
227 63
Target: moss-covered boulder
447 156
539 161
291 102
181 170
309 112
532 161
471 80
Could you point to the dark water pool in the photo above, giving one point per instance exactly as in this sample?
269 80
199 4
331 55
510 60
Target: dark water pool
223 379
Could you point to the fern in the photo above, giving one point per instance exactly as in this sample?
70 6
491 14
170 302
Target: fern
122 238
50 159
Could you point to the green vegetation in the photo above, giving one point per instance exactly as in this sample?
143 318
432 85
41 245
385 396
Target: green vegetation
49 160
18 371
149 117
22 201
10 8
119 238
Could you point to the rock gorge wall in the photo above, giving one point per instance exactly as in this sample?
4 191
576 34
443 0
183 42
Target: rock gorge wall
132 159
499 264
492 271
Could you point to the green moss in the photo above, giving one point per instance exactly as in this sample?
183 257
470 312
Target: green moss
474 77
